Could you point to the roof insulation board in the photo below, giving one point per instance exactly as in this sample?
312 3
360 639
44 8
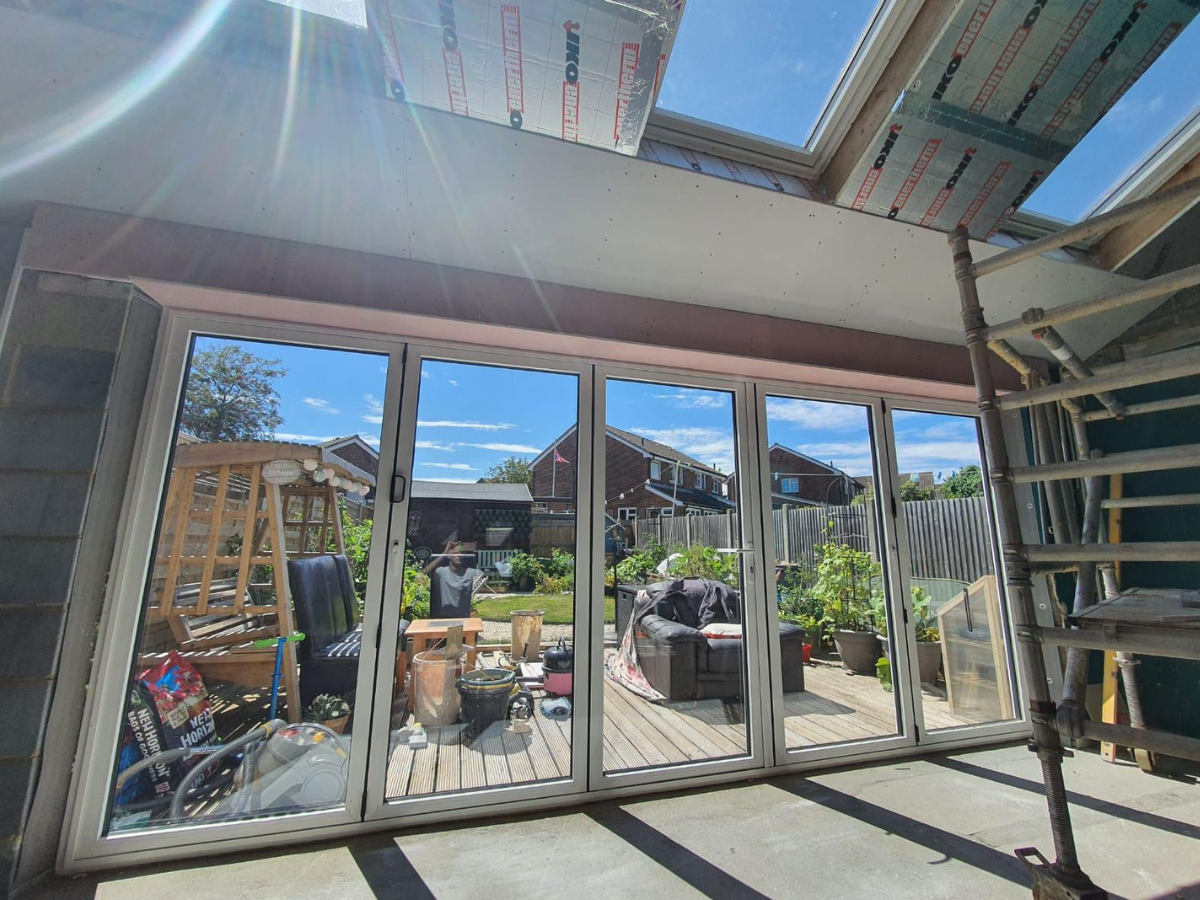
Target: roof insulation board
1008 89
581 70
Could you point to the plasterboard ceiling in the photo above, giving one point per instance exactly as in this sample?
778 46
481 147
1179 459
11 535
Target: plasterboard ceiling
366 174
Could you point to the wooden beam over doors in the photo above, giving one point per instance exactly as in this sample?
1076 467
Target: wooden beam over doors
1122 243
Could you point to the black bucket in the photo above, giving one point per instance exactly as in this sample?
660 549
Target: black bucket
485 695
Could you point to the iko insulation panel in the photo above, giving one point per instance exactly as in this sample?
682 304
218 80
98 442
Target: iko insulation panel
1008 89
580 70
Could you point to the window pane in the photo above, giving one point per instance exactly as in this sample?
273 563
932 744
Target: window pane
829 574
674 663
262 544
962 644
490 443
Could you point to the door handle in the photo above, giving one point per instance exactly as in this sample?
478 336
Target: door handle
399 488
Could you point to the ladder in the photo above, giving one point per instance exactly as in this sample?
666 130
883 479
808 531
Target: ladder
1126 622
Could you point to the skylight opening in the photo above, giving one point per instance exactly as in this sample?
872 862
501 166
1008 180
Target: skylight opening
352 12
1149 113
767 69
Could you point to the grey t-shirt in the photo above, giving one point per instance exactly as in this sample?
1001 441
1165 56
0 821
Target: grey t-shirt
450 592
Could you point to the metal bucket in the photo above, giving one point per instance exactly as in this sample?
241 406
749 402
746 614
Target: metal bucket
435 688
526 634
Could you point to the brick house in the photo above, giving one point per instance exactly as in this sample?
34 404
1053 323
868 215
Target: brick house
644 479
798 479
354 450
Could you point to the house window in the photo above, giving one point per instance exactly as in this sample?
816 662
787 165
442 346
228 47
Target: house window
540 506
655 470
667 512
677 475
790 485
625 513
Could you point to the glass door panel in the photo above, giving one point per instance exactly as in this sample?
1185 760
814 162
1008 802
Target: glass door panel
836 632
679 638
963 654
489 559
240 700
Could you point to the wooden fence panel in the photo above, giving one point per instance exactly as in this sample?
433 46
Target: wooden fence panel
946 538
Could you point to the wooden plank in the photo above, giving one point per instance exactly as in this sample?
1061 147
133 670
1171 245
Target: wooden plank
471 767
558 736
214 534
545 765
339 541
243 575
183 503
398 771
1110 683
516 750
490 748
283 604
424 763
448 774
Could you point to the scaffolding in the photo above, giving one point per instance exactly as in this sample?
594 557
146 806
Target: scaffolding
1071 475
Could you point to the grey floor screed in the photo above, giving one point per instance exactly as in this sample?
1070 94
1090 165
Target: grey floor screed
935 827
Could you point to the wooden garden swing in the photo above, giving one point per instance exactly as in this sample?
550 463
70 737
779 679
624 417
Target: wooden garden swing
235 513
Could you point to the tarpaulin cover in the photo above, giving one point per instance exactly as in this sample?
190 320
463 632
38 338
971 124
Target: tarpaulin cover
1009 88
581 70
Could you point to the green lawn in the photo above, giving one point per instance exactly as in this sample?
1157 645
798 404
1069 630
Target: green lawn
559 607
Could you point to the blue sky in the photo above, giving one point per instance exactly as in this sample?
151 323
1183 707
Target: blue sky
1158 102
470 417
767 73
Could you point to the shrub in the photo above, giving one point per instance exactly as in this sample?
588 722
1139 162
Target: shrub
526 568
699 561
550 584
633 568
848 584
414 598
561 564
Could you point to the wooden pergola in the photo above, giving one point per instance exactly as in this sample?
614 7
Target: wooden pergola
235 513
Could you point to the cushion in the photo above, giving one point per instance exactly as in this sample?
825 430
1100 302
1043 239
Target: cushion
724 656
722 630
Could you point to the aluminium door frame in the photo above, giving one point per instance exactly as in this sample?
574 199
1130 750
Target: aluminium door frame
377 806
83 838
758 756
905 736
1019 725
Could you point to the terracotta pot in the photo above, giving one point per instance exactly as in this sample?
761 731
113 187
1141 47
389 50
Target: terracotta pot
337 725
858 650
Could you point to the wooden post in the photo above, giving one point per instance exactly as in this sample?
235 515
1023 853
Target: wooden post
283 602
1110 684
338 539
214 535
182 513
248 528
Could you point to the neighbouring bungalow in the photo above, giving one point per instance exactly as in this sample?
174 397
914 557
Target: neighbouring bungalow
494 518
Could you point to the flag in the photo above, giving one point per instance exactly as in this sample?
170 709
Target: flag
558 457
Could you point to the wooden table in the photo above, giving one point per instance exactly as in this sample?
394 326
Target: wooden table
424 632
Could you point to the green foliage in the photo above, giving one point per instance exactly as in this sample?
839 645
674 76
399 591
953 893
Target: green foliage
926 621
326 707
514 470
633 568
526 568
561 564
414 592
966 482
555 584
911 491
231 395
848 583
699 561
883 668
357 538
797 603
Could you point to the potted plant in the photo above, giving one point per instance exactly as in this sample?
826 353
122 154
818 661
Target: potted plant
848 581
329 710
929 639
527 570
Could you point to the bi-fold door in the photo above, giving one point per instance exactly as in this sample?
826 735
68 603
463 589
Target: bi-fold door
579 486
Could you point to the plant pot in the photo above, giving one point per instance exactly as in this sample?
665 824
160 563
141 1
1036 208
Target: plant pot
858 650
929 660
337 725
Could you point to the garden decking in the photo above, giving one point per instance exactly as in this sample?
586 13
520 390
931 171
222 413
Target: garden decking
836 707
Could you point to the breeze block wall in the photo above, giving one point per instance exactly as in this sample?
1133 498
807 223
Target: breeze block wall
75 357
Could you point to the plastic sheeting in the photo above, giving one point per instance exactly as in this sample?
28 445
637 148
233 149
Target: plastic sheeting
581 70
1008 89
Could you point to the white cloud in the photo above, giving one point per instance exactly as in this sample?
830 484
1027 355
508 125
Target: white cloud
711 446
434 445
936 456
321 405
1131 113
852 457
462 467
816 414
425 374
505 448
374 413
452 382
691 398
481 426
441 480
303 438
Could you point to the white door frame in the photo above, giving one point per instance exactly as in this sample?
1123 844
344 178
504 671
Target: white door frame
1018 725
377 805
120 631
752 587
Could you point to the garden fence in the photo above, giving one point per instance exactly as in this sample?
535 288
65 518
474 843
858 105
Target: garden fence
947 538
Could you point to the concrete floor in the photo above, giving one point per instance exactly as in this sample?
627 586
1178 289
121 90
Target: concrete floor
935 827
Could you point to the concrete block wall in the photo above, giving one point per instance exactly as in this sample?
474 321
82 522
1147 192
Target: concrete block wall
75 358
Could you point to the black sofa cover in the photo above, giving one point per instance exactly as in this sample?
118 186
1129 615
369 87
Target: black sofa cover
681 663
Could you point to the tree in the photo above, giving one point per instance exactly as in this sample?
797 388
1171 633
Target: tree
231 395
966 482
912 491
514 470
